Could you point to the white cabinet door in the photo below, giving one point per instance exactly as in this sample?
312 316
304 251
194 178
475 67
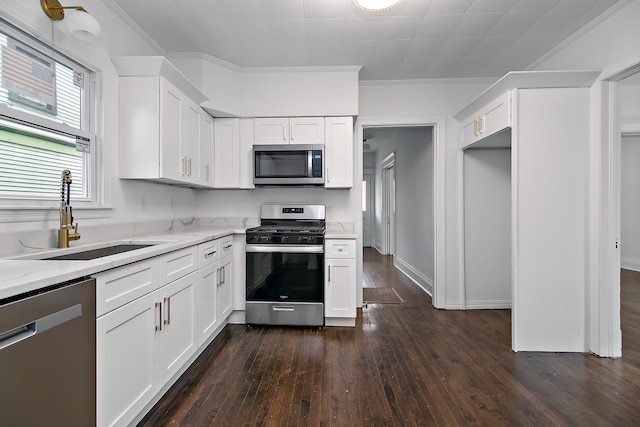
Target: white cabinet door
178 339
172 156
340 288
338 152
294 130
225 287
246 153
208 319
227 153
272 130
160 132
206 151
126 349
190 141
306 130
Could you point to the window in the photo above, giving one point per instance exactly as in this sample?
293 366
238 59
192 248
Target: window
46 105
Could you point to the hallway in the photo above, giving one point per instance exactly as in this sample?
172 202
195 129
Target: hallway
402 365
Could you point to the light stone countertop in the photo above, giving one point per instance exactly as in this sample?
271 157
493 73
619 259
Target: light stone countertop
24 273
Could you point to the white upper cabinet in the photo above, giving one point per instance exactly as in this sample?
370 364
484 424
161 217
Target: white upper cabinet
226 153
491 119
306 130
295 130
160 123
246 153
233 153
206 150
338 152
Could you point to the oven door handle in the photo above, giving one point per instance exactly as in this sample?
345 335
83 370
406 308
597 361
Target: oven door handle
296 249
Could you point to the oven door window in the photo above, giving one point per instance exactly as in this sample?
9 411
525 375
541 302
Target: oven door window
282 164
284 276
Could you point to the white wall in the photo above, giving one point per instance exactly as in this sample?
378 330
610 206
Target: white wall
611 39
117 39
487 229
630 203
398 102
271 92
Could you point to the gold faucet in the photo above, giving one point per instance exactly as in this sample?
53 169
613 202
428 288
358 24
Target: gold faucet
66 213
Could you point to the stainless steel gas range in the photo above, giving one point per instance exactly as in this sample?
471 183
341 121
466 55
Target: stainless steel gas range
285 266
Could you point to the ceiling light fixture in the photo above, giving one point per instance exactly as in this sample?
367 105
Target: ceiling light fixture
80 23
376 5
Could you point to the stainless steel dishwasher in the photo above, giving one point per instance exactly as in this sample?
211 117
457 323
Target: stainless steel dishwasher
48 357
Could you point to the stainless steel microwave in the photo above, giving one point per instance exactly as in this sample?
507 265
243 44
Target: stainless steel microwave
288 164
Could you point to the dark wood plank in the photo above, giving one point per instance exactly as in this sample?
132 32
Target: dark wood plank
405 365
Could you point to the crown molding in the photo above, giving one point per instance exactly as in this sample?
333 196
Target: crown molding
399 82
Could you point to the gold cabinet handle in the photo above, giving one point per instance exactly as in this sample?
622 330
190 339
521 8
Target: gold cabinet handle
480 125
159 325
167 303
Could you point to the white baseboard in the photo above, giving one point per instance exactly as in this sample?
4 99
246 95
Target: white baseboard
488 305
630 264
425 283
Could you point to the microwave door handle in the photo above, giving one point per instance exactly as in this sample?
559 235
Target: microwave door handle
310 163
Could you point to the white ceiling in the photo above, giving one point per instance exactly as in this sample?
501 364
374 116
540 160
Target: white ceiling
417 39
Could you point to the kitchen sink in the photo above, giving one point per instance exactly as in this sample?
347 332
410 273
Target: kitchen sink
99 253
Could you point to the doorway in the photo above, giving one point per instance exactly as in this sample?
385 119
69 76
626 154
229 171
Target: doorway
605 334
403 219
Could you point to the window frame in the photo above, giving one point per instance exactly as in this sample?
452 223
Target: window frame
36 208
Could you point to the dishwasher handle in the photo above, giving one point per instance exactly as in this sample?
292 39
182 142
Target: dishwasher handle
15 335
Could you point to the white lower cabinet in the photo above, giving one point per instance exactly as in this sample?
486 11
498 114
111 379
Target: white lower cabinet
177 335
208 319
215 297
126 349
147 337
141 345
340 282
225 288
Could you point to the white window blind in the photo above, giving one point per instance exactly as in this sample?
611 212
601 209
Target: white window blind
44 111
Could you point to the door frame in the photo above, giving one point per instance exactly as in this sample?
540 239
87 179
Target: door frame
603 305
388 204
438 122
370 203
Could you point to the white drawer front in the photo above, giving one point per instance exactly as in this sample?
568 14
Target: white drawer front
340 248
175 265
117 287
226 246
209 253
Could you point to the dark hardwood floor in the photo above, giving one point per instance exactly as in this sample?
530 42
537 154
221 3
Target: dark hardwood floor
405 365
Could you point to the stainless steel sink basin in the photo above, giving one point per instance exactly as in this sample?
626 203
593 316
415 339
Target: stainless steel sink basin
99 253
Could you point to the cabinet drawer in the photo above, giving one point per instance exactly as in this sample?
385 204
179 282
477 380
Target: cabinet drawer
340 248
209 253
493 118
175 265
117 287
226 246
